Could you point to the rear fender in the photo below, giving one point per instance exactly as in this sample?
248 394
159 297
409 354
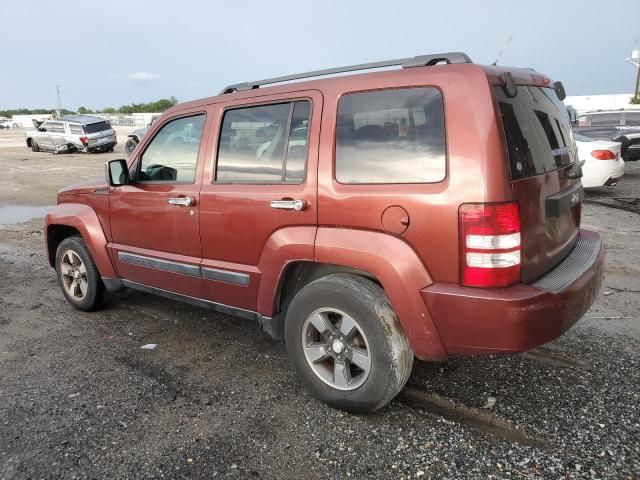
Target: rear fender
399 270
84 219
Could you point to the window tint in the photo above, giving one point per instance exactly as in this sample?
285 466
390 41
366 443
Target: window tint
599 119
172 155
632 119
391 136
537 131
76 128
264 144
97 127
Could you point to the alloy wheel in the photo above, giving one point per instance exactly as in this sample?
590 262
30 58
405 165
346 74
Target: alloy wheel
336 348
74 275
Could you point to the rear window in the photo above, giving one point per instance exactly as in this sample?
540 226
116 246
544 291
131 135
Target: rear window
537 131
391 136
97 127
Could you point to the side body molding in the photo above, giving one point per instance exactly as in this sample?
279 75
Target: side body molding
84 219
400 272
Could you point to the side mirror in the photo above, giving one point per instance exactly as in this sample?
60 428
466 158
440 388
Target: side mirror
559 88
117 172
42 129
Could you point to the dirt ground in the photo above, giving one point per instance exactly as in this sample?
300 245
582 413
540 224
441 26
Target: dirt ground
218 399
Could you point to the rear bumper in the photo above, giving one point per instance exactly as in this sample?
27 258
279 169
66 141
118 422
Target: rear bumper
475 321
103 146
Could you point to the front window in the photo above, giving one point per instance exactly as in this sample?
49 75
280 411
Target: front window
391 136
172 155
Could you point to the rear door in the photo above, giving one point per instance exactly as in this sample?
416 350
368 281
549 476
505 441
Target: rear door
260 192
542 155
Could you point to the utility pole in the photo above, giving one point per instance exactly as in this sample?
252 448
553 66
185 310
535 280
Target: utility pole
635 55
59 110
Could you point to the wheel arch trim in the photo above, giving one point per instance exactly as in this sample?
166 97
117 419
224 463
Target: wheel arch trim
85 220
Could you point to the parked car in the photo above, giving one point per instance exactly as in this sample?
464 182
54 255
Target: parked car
603 165
5 124
72 133
427 211
614 125
136 136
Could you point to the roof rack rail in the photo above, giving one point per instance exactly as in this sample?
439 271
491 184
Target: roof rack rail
418 61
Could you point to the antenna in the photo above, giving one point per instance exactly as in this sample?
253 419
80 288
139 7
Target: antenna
59 110
504 48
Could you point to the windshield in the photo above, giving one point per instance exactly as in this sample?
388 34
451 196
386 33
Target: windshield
537 131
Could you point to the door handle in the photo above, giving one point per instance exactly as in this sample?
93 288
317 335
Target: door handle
296 205
182 201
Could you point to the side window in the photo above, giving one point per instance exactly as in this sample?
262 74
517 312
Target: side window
46 127
56 127
632 119
172 155
264 144
391 136
77 129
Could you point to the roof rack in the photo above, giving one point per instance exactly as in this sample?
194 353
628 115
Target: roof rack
418 61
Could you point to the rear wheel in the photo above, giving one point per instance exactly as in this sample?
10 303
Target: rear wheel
34 146
346 343
78 276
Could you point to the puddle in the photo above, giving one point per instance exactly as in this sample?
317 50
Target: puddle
12 214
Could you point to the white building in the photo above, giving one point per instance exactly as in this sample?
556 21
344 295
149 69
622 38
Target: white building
587 103
25 121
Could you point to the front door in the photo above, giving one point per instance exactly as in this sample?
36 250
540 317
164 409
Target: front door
154 219
43 137
259 192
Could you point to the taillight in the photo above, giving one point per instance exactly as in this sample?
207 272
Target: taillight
84 140
490 244
603 155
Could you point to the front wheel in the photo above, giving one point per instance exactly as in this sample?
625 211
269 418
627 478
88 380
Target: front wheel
78 276
346 344
34 146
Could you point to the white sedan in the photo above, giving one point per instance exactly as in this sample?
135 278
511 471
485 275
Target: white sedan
603 164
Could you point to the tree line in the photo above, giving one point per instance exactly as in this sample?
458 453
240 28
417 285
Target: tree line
151 107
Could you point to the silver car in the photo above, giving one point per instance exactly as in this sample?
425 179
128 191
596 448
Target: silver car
73 133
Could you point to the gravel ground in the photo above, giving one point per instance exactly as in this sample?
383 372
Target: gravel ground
218 399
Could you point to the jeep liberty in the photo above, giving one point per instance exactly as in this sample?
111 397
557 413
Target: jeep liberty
429 210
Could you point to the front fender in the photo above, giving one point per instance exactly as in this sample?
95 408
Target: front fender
85 220
401 273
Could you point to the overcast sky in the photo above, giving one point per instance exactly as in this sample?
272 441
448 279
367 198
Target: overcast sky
109 53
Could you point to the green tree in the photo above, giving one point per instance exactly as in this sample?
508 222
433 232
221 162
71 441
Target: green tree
84 110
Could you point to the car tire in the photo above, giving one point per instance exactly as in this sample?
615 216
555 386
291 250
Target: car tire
130 145
78 275
362 359
34 146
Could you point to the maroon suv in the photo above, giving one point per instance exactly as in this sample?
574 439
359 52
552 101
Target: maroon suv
430 210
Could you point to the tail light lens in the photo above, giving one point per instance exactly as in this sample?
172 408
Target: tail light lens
603 155
84 140
490 244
